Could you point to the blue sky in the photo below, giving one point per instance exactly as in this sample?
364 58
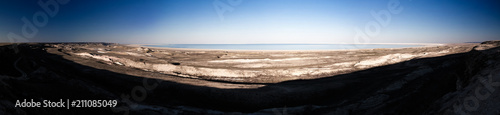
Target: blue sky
254 21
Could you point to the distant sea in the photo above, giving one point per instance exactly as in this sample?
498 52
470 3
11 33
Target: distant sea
283 46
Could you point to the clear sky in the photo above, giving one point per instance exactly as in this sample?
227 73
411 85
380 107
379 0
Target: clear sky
251 21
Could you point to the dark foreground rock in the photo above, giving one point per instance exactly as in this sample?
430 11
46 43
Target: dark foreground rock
466 79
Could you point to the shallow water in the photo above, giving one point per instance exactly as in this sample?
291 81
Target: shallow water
283 46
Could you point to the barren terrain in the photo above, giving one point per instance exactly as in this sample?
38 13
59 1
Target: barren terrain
430 79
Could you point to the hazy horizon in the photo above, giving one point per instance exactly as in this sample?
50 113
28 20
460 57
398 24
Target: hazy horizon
250 21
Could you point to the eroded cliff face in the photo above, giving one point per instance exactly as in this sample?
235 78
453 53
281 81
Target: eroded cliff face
452 79
478 88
